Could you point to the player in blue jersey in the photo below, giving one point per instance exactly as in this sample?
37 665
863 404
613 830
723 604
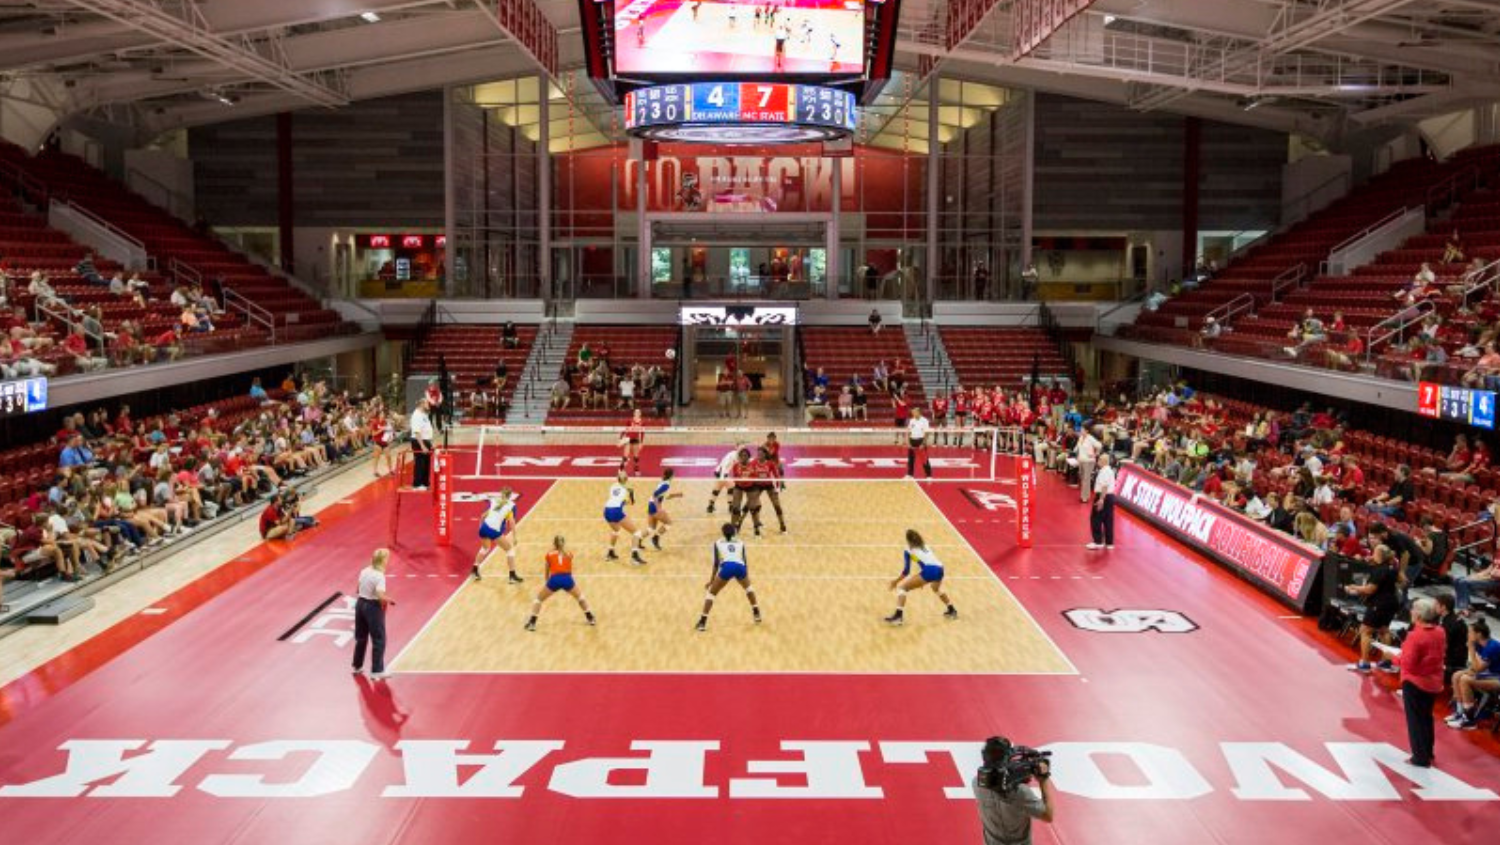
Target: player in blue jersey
929 573
498 528
728 565
657 518
618 520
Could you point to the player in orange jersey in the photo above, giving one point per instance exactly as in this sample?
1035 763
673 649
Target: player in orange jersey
559 579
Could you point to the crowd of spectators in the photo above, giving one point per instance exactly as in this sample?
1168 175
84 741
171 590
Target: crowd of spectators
123 485
592 381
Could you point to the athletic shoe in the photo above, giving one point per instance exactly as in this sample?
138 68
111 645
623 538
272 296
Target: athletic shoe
475 572
1093 547
1387 667
610 555
635 558
895 619
359 670
755 614
702 625
1110 546
1361 667
951 612
515 579
422 487
1468 725
710 507
589 618
656 543
783 527
757 530
379 676
531 624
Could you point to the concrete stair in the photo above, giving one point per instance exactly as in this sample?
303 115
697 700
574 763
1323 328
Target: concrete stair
931 359
528 404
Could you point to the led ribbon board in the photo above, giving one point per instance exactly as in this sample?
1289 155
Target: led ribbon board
739 113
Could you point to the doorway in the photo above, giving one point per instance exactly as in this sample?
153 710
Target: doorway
761 353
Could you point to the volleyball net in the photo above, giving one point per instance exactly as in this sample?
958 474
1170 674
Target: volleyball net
954 454
485 457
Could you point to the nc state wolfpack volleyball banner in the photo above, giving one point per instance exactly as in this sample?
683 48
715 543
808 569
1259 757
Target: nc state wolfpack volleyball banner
1025 496
1272 561
442 495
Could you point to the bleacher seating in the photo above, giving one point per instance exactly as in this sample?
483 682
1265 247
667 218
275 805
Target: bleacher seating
843 351
1406 184
1004 357
626 346
472 353
167 238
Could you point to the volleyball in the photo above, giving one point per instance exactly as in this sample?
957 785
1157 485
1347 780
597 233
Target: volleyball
671 355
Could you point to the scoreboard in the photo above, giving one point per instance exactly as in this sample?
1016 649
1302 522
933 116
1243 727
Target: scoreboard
23 396
732 104
1456 404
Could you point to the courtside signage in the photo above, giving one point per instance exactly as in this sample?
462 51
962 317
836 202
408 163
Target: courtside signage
1025 494
442 492
1269 559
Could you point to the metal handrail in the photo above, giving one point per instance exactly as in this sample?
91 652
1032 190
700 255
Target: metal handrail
1369 230
1485 277
1448 189
1396 325
1231 309
181 270
253 312
1289 278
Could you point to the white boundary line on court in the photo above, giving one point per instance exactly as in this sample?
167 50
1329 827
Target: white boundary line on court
999 582
478 454
989 575
460 588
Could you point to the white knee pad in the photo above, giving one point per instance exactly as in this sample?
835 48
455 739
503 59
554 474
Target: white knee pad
900 592
749 591
708 597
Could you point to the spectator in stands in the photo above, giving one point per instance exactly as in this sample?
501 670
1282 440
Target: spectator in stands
861 404
1212 328
1405 551
138 288
85 268
817 406
1345 355
16 361
1453 250
1482 581
724 386
1305 333
1307 528
897 383
1484 369
981 281
76 344
661 399
508 337
1479 461
1456 634
562 394
627 392
1382 599
179 297
41 288
846 403
167 345
875 321
193 320
880 378
1030 280
1393 502
117 284
1481 674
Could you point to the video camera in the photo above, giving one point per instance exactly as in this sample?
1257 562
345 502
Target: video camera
1007 766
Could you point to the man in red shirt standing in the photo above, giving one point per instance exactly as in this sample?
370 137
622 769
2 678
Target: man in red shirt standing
1422 678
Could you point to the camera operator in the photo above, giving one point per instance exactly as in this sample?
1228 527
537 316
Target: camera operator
1007 804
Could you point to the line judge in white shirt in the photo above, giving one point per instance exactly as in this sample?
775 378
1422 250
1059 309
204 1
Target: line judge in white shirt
1087 453
369 616
421 444
916 441
1102 507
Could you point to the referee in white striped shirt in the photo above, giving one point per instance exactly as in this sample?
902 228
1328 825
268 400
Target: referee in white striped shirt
916 441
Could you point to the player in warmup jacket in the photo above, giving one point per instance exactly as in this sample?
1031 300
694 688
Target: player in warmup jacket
498 528
767 473
657 518
559 579
722 472
630 443
929 574
618 520
728 565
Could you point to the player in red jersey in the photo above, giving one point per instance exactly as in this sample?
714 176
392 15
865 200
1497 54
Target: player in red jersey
769 483
630 443
960 414
984 416
942 416
745 498
382 434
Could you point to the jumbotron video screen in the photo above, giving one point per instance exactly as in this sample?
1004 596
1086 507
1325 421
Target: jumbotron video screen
801 37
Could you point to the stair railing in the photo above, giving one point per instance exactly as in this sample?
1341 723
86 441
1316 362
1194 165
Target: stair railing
1395 326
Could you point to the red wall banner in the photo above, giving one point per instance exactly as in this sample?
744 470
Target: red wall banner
1272 561
1025 498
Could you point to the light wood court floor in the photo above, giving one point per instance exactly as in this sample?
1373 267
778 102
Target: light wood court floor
823 588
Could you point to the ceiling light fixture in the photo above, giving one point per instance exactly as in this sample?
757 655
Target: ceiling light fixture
370 17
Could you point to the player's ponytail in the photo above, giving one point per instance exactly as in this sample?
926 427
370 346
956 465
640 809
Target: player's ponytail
558 541
914 540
